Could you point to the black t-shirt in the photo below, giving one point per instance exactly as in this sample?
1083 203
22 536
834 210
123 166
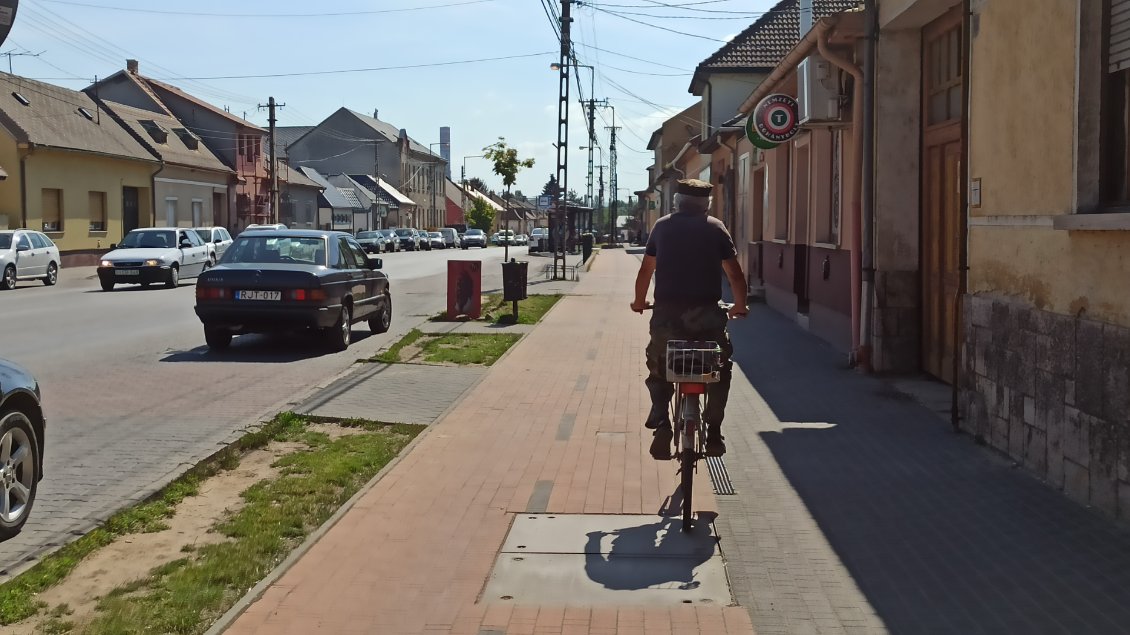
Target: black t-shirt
689 250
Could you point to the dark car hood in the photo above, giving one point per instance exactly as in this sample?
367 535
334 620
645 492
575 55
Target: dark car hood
14 377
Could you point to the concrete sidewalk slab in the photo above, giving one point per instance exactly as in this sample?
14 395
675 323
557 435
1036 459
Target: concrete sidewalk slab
394 393
482 328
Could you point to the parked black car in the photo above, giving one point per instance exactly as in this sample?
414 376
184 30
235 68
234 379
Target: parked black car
287 280
21 446
408 238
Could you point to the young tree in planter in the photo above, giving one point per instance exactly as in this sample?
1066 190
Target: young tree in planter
506 164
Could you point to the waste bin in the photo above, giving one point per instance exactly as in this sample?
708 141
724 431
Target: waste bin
586 247
514 280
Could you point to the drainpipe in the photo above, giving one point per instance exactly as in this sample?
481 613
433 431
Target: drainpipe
857 118
672 162
963 241
867 196
23 185
153 194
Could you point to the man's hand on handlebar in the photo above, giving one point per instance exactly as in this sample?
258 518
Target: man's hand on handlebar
640 306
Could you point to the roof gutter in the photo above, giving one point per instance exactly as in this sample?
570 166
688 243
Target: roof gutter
802 50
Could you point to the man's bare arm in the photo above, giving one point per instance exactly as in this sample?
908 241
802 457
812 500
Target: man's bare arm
643 283
736 277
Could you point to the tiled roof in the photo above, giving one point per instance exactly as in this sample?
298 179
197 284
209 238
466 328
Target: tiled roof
392 133
172 148
52 118
333 197
292 176
350 197
287 135
164 91
765 43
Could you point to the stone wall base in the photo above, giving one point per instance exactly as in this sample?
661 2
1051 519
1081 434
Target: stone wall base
896 322
1052 392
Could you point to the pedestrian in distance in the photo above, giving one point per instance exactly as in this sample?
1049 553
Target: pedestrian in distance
685 251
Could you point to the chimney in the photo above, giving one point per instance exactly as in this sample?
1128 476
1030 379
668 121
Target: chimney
445 147
404 137
806 17
376 114
131 66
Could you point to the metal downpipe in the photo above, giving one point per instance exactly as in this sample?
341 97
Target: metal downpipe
867 255
963 242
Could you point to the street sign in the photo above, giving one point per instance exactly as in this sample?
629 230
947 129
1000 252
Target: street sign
757 140
545 201
776 118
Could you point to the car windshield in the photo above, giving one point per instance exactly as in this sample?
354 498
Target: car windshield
363 235
404 232
275 249
149 240
436 235
6 241
474 232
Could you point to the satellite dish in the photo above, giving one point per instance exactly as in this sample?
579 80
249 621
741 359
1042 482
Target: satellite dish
7 17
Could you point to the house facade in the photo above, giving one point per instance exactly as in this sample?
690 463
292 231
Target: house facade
1046 325
73 171
349 142
235 141
191 189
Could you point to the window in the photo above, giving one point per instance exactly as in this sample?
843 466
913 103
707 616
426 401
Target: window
943 80
345 257
1114 179
20 98
52 210
779 173
827 223
170 212
197 212
802 193
760 204
23 242
38 241
86 113
97 210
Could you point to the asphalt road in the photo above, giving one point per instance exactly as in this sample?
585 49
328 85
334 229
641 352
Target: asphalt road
133 397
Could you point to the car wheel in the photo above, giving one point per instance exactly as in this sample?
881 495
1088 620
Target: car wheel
8 281
339 335
383 320
108 285
19 473
52 275
217 339
174 277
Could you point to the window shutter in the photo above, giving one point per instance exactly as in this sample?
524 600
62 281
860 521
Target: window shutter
1118 50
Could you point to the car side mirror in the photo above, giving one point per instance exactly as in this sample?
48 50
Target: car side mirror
185 244
218 240
23 247
113 245
374 263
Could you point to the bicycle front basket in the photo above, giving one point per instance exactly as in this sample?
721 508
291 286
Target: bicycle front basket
690 362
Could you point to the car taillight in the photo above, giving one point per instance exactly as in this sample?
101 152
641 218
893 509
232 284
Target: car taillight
308 295
212 293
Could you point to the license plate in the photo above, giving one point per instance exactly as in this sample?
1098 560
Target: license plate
127 272
258 295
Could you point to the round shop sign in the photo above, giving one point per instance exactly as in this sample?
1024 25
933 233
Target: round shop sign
756 139
776 118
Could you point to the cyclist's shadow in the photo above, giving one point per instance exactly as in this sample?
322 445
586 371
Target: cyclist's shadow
646 556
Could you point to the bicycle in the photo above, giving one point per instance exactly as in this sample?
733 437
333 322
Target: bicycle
691 365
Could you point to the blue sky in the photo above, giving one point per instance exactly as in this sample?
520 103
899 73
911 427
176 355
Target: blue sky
481 101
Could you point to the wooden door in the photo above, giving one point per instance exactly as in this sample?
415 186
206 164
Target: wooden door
130 209
943 102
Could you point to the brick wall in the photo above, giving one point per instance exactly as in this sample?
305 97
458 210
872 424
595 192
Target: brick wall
1052 392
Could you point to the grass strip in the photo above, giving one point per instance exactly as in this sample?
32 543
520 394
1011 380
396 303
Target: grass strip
530 311
464 349
189 594
392 355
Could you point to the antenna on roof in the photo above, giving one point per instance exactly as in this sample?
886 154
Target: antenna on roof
12 53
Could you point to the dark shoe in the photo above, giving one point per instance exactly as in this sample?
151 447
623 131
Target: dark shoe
661 443
657 418
715 444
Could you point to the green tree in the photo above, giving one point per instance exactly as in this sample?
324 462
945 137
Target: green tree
477 183
551 187
481 215
506 164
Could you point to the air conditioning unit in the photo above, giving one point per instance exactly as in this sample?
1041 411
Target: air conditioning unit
818 92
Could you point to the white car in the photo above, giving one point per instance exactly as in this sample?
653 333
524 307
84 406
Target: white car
218 240
272 227
154 254
27 254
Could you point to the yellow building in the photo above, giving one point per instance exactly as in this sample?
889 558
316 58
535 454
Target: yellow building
1047 348
73 171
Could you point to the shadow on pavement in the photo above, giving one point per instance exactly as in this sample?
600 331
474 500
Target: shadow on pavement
262 349
644 556
940 535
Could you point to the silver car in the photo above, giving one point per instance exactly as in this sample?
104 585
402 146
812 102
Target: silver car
218 240
155 254
26 255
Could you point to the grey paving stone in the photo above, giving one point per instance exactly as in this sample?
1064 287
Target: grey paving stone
394 393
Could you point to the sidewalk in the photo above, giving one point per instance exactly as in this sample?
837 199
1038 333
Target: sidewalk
856 509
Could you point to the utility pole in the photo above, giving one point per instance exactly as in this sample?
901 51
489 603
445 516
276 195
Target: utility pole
612 180
591 104
377 178
271 106
600 196
557 229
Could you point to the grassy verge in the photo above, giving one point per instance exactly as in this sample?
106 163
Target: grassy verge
187 595
530 311
392 355
464 349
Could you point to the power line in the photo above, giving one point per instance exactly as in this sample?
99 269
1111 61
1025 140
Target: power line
638 59
266 15
375 68
656 26
685 7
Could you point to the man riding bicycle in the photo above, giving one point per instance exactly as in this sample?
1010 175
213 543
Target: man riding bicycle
684 252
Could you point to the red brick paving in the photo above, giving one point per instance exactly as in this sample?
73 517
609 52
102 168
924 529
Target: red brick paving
414 553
